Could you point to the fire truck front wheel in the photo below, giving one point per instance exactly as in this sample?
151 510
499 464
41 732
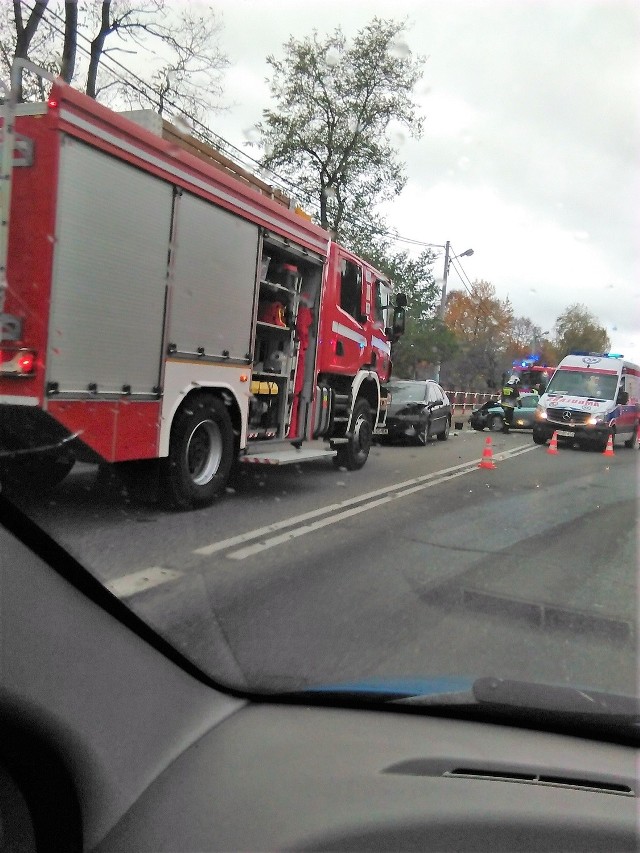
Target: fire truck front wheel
200 453
355 453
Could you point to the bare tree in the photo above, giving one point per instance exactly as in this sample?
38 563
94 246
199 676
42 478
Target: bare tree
70 40
24 32
183 62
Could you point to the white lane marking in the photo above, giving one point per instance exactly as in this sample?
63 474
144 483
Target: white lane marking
138 581
274 541
207 550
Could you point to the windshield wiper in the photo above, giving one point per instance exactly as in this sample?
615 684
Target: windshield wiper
491 698
507 693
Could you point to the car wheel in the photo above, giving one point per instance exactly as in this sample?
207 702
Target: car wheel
496 423
478 428
200 453
422 435
444 435
355 453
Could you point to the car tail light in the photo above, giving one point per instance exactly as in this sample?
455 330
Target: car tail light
17 362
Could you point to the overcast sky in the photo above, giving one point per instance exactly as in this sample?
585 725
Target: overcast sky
530 149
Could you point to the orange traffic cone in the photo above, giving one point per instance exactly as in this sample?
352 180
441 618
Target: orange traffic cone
487 455
608 451
553 444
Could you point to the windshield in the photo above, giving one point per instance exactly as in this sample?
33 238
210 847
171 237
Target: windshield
584 383
408 392
529 401
217 260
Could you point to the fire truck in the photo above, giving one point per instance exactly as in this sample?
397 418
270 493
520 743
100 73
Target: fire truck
169 315
533 376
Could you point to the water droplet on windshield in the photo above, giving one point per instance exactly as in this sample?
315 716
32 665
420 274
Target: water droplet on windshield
400 49
332 57
183 124
581 236
251 134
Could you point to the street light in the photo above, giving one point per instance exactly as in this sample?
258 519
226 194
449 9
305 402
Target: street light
443 296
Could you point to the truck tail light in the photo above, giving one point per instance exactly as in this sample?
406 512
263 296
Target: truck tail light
17 363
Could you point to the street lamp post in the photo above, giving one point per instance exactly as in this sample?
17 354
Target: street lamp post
443 295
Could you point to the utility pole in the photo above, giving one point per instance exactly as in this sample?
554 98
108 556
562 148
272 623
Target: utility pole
443 299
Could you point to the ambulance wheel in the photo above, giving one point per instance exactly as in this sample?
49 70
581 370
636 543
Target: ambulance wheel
355 453
200 453
539 437
26 475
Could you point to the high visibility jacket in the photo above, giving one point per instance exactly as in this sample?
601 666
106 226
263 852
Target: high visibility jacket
509 396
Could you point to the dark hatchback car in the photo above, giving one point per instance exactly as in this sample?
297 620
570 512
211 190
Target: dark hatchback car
419 410
491 414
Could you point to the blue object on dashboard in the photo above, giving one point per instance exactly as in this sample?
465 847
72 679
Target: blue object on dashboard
399 686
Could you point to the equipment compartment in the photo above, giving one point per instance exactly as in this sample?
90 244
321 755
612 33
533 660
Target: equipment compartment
286 282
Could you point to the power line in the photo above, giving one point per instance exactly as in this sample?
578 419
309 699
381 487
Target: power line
211 137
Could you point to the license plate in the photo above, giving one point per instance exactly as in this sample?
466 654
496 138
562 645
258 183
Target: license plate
566 433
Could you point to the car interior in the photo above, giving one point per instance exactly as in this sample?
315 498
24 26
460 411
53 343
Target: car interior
112 741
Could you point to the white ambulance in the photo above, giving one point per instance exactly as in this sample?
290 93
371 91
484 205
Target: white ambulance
590 397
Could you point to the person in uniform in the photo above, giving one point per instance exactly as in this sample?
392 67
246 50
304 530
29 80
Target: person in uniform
509 399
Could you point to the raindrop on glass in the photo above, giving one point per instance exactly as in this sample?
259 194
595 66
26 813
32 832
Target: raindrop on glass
400 49
251 134
332 57
183 124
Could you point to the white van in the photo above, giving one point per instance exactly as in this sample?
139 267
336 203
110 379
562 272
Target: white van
590 397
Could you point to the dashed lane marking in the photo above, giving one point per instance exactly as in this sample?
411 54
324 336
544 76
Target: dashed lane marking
399 491
240 538
136 582
129 585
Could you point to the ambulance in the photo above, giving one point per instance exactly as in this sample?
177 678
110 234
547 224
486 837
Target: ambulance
590 397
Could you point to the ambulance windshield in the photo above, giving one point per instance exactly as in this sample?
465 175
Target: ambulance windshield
584 383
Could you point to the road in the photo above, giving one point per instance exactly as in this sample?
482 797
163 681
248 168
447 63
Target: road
421 563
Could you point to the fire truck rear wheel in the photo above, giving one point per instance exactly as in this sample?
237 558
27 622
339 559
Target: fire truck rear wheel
355 453
200 453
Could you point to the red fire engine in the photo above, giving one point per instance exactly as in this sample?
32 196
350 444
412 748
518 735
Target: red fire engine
533 376
166 316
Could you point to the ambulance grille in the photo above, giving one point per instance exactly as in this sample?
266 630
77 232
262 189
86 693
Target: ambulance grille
576 417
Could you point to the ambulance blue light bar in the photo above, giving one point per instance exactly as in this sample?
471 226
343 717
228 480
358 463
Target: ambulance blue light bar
598 354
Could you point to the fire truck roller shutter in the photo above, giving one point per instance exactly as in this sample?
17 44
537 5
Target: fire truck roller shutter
214 279
109 275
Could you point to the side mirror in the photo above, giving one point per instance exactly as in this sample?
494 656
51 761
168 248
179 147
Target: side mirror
401 300
623 398
399 319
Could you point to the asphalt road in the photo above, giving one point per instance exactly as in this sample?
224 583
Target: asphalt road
420 564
